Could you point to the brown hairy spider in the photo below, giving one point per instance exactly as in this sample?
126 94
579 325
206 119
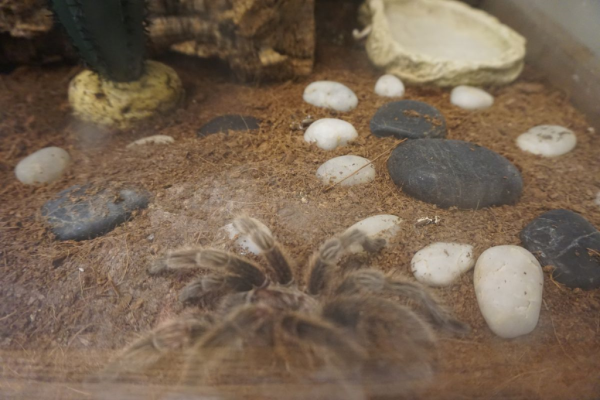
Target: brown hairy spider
339 336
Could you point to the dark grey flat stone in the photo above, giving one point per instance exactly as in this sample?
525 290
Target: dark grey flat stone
226 123
569 243
454 173
77 215
408 119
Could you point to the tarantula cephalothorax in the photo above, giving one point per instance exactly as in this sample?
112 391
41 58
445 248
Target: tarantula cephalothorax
339 336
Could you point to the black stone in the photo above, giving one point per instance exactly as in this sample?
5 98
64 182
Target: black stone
79 214
569 243
408 119
226 123
454 173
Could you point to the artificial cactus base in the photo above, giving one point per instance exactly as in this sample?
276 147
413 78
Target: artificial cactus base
120 104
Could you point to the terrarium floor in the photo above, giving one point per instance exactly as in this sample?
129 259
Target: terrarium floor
67 306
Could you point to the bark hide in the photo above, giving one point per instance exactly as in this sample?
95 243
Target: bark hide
259 39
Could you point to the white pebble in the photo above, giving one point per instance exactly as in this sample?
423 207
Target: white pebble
156 139
508 283
339 168
330 133
329 94
471 98
440 264
43 166
547 140
243 241
383 226
389 86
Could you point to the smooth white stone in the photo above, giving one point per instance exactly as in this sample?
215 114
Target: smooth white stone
440 264
547 140
471 98
382 226
389 86
156 139
508 283
336 169
43 166
243 241
330 133
329 94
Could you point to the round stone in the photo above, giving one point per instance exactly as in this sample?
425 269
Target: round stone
382 226
547 140
155 139
471 98
79 213
226 123
570 244
246 244
43 166
408 119
344 169
329 94
330 133
454 173
440 264
389 86
508 284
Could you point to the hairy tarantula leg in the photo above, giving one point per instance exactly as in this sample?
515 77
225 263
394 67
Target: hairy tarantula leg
379 317
331 251
150 349
217 341
271 249
375 281
401 345
212 259
245 321
216 285
325 334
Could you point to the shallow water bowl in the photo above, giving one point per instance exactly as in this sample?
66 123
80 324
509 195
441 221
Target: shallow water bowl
441 42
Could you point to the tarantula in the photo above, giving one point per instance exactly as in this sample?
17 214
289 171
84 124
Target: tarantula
340 335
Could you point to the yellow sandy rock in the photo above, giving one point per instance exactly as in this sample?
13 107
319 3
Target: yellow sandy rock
120 104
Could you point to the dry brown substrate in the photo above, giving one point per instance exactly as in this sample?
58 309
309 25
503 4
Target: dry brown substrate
66 306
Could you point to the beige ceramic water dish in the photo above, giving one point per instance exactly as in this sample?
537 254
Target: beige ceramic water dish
442 42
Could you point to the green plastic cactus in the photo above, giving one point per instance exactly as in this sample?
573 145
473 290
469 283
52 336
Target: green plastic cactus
110 36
